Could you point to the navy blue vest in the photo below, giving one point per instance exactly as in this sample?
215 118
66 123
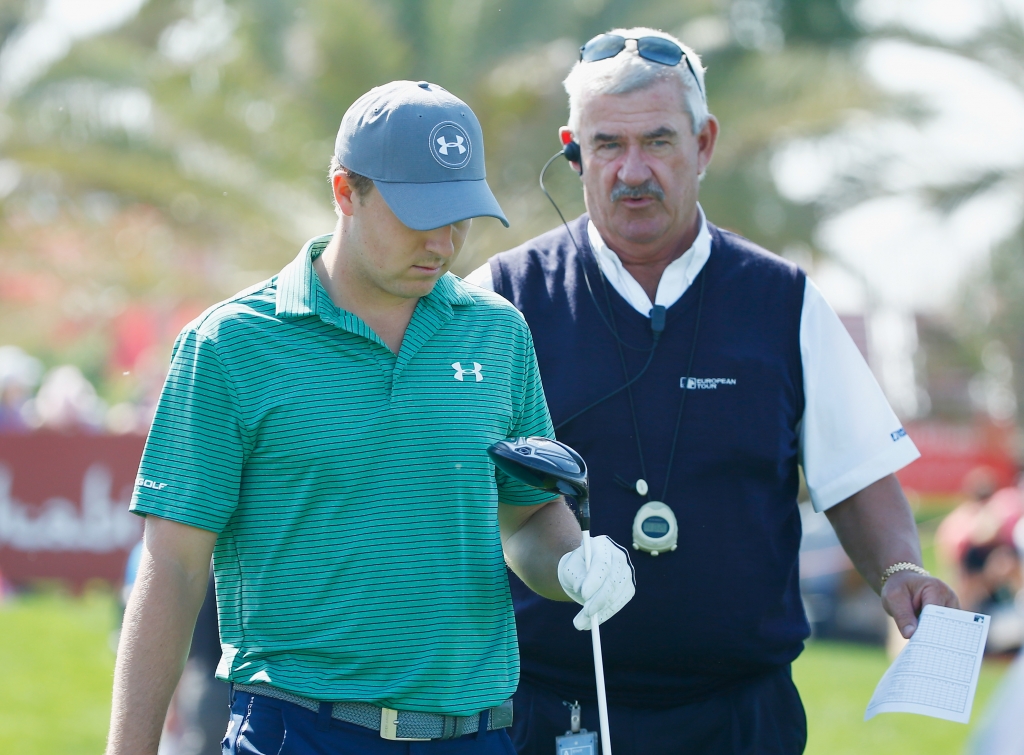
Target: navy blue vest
726 605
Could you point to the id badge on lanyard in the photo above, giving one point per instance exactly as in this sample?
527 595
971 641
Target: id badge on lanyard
576 741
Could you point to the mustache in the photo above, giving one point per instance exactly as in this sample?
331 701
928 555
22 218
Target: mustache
649 188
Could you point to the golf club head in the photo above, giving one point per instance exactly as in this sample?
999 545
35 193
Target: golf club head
545 464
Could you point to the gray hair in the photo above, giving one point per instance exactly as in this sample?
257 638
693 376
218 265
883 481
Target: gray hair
628 72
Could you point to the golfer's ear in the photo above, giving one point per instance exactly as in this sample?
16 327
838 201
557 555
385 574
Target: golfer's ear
343 193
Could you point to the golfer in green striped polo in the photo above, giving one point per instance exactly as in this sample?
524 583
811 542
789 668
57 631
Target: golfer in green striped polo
323 434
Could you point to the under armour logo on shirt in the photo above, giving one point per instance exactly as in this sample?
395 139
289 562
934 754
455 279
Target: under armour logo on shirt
443 146
460 374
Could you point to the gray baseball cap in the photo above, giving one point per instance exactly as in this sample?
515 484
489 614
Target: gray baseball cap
424 149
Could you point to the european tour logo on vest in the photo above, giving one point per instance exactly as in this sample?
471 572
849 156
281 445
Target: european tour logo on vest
704 384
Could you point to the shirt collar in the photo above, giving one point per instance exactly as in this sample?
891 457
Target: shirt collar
676 279
451 289
297 284
299 289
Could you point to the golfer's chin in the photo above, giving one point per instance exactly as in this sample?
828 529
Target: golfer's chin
416 283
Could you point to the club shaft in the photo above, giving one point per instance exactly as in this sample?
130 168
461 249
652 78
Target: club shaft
595 636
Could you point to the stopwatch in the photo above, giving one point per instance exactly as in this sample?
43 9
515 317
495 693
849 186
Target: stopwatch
654 529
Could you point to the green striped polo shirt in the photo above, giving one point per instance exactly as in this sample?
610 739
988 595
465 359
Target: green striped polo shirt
358 555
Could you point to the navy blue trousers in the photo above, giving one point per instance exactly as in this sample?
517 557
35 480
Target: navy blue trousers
761 717
264 726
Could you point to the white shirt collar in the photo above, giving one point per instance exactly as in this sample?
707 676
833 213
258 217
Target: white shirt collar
678 276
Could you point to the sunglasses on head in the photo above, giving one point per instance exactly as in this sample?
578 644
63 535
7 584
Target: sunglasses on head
655 49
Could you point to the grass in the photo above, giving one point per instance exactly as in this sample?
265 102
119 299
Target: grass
58 670
836 681
58 667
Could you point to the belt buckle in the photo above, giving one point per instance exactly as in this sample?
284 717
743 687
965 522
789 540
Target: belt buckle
389 727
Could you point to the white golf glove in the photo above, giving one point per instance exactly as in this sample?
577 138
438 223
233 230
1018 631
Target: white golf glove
605 588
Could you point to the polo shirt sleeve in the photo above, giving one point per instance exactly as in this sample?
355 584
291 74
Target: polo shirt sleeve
849 435
530 417
192 464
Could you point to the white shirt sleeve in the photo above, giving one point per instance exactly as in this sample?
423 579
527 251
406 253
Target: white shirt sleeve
481 277
849 435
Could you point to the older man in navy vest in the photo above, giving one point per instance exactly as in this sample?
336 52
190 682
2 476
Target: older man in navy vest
695 372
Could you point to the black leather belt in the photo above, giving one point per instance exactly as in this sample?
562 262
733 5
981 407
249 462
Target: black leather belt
393 724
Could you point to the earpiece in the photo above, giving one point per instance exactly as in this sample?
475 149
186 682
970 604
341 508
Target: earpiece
572 152
570 148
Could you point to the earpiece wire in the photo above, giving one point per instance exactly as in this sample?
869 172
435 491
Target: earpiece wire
656 338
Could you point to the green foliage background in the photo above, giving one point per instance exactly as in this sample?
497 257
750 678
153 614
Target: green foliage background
172 161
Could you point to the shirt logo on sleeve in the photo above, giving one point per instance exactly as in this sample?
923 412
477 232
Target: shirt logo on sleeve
901 433
460 374
142 482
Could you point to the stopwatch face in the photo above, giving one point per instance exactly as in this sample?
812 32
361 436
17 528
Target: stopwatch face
654 528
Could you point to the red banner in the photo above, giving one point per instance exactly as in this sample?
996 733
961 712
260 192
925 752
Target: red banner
64 506
950 452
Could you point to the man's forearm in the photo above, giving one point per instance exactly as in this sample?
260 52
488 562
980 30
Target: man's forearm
533 550
877 529
155 638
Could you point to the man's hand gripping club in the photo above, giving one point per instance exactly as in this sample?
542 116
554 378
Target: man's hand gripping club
603 589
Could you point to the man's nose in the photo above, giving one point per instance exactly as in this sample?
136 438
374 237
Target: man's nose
634 169
441 241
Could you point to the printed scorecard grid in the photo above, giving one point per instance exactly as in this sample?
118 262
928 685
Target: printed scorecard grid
955 635
925 690
937 672
946 664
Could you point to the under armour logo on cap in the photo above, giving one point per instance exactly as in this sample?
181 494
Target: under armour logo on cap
443 145
450 145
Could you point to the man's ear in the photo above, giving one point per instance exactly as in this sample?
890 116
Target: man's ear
343 194
706 140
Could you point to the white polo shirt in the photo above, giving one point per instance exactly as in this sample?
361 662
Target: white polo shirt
846 438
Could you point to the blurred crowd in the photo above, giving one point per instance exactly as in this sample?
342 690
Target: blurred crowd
976 545
63 399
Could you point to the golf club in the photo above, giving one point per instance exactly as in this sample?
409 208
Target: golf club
550 465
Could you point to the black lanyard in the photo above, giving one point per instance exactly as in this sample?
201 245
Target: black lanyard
683 383
657 326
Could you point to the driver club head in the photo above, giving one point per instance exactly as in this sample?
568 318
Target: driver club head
543 463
